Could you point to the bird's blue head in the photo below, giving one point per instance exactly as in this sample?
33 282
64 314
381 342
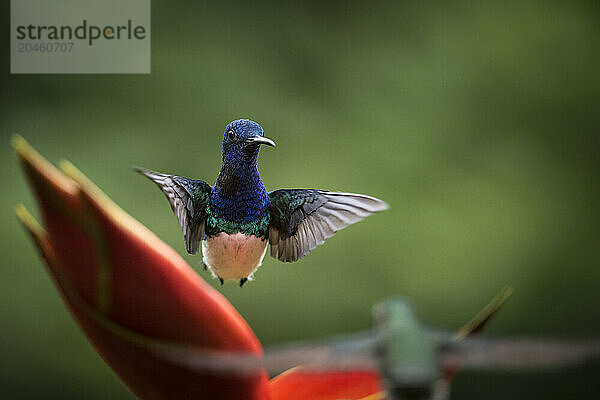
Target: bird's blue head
242 139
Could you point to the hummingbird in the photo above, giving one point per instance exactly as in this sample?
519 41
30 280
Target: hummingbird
237 218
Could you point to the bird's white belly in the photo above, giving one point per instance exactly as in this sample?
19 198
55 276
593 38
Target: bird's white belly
233 256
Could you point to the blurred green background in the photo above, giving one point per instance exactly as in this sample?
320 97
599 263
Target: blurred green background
477 121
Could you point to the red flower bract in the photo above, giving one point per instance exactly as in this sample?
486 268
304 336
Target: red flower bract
297 384
130 291
134 295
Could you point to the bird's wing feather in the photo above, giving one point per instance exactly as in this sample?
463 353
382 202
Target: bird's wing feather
188 199
302 219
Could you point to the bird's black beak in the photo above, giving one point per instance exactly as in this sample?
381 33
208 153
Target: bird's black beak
261 140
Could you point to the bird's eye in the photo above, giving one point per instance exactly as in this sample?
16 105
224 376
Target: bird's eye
231 134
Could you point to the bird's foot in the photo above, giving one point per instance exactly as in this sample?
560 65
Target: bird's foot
222 281
242 281
204 266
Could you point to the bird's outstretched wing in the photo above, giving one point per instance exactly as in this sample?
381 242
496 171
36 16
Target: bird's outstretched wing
188 198
302 219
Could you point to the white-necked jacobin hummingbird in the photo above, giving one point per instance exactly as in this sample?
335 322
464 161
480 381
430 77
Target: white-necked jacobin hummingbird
236 218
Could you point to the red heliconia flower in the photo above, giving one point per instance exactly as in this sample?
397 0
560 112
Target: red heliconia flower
297 384
135 298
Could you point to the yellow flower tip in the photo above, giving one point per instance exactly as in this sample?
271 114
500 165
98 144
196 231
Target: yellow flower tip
38 166
74 173
24 149
37 233
93 193
479 321
30 223
501 298
18 142
85 183
507 291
